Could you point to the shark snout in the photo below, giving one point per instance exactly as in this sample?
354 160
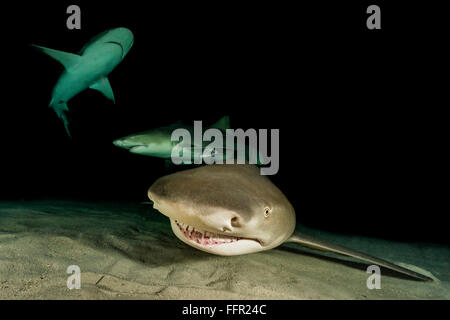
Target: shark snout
118 143
211 219
122 143
124 37
222 221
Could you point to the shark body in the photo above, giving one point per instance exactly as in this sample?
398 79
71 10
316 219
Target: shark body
158 142
232 210
89 68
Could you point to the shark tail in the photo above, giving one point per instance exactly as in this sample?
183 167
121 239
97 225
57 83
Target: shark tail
66 125
318 244
60 109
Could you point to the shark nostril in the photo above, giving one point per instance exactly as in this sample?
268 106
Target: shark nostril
235 222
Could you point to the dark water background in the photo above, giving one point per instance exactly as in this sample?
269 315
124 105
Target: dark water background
362 145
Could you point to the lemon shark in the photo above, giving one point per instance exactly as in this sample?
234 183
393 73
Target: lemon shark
89 68
232 210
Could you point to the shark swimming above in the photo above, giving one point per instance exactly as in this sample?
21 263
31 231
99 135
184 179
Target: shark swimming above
232 210
89 68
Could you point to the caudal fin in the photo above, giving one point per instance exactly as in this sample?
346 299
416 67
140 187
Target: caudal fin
319 244
66 125
60 109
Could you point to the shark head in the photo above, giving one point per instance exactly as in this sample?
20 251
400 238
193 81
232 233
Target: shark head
224 209
122 37
150 143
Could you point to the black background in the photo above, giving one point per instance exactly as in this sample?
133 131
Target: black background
119 309
361 119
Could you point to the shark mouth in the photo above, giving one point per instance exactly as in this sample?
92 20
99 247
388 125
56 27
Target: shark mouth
205 238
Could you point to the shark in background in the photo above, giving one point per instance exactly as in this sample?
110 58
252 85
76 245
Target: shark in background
158 142
89 68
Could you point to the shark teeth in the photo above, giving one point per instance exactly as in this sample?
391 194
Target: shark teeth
204 237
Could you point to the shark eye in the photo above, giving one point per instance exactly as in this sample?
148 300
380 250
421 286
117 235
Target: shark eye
266 211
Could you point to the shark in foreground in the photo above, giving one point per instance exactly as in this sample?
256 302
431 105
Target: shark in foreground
89 68
232 209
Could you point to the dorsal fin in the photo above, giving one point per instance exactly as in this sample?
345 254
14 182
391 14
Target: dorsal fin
223 123
177 123
318 244
68 60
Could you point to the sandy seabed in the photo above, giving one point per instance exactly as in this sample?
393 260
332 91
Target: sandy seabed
128 251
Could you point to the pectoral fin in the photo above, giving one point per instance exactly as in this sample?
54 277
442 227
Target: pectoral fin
104 87
314 243
68 60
